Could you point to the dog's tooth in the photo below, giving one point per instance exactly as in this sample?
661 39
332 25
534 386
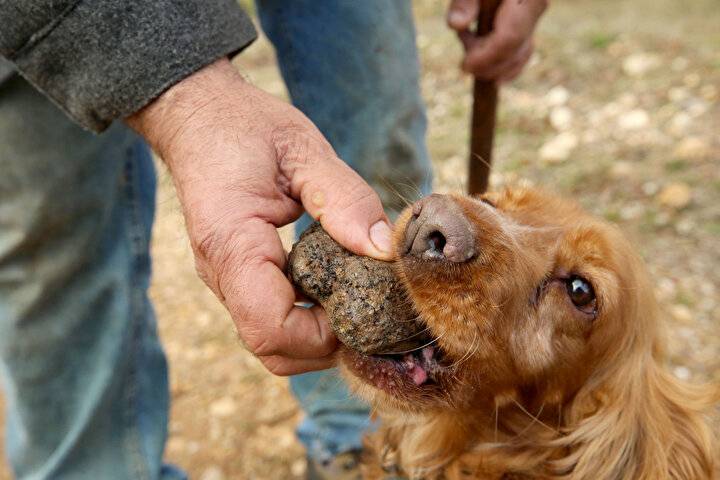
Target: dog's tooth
408 361
428 353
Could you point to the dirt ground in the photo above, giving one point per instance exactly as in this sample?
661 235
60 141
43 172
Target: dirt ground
619 108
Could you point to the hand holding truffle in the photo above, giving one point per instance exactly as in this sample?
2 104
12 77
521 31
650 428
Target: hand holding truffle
244 163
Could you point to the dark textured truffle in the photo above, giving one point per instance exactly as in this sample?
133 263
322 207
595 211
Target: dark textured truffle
366 304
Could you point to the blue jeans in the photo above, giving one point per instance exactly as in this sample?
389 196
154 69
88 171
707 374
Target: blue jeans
84 375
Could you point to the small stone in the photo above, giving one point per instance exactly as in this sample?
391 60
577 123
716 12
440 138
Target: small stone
561 118
298 467
212 472
632 211
675 195
637 64
666 289
175 445
611 109
558 95
679 123
650 188
682 314
203 319
590 136
497 179
224 407
559 148
685 226
679 64
692 148
628 100
678 94
621 170
707 289
709 92
662 219
634 119
692 80
697 107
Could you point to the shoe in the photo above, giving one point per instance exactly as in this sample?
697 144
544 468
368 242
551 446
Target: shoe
344 466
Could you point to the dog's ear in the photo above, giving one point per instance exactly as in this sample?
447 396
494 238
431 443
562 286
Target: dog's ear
681 428
643 425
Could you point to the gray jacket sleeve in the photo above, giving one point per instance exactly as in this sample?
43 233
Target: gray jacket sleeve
100 60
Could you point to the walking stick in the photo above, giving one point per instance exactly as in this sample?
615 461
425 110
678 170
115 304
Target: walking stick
485 100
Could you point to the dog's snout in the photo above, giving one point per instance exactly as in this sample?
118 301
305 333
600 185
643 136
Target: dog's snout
439 230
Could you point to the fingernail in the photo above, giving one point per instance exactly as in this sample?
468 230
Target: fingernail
381 236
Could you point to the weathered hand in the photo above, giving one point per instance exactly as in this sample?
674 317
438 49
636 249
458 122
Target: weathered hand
244 163
502 54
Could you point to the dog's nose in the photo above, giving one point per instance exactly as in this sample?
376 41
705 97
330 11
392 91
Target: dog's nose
439 230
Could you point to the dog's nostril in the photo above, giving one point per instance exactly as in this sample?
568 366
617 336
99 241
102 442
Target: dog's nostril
439 230
436 242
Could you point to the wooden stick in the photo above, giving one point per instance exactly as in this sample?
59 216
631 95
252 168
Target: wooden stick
485 100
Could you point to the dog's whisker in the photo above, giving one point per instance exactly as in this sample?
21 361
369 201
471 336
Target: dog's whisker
434 340
536 419
389 186
497 416
475 345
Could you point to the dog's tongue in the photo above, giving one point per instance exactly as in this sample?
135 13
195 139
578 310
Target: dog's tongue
418 372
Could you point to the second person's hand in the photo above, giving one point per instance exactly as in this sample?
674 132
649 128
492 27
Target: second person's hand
502 54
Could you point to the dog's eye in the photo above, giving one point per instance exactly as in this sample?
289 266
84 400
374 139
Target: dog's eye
581 292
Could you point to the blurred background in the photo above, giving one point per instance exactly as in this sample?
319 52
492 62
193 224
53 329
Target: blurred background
619 108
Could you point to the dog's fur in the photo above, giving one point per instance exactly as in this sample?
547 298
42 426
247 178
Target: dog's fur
531 386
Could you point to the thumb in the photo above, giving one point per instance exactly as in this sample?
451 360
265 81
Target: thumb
462 13
348 209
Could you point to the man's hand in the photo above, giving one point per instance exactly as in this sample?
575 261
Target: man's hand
502 54
244 163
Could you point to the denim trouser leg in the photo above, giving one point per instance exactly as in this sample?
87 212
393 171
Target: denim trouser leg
352 67
84 375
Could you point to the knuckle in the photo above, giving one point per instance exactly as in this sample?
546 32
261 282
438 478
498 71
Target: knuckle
221 255
509 40
277 366
208 248
261 345
208 239
298 144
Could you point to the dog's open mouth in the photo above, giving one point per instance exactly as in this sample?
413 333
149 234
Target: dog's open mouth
421 368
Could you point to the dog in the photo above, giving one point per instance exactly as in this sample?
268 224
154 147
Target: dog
547 360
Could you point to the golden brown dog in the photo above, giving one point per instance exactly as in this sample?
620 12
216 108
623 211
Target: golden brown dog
548 358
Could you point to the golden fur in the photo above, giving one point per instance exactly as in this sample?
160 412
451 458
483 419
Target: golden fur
535 388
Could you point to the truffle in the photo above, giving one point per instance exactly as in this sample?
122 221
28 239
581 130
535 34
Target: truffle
366 304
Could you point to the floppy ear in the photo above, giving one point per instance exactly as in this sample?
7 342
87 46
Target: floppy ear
644 425
633 420
682 428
